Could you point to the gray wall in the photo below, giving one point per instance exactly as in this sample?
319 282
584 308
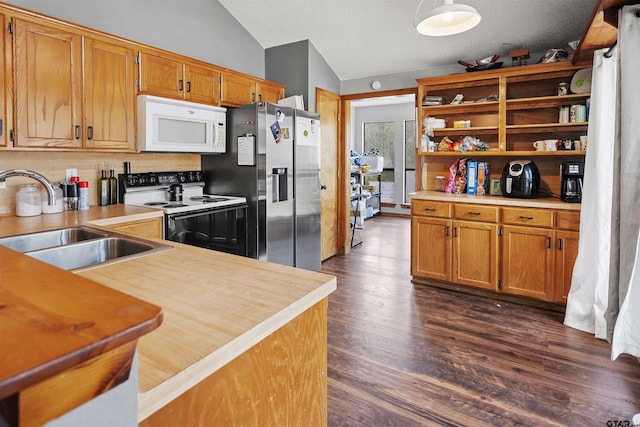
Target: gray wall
301 68
320 75
200 29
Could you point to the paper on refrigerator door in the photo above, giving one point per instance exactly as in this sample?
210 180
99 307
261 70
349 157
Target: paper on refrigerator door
307 131
246 150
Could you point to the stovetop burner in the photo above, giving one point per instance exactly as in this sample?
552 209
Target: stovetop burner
209 199
165 204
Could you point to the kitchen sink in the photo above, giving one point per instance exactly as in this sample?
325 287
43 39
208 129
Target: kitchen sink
78 248
49 239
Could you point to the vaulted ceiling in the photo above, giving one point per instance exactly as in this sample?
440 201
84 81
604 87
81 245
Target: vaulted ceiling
366 38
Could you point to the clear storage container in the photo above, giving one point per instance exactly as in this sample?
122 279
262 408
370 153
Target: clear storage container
28 202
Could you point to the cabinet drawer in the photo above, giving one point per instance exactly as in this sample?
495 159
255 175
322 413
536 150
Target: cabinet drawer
568 220
475 212
532 217
429 208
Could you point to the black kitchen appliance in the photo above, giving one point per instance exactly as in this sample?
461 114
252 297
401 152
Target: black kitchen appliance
520 178
190 216
571 176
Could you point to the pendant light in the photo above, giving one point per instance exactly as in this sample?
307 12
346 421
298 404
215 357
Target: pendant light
448 19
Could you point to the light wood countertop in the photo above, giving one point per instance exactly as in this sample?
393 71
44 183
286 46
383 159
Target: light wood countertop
98 215
540 202
215 305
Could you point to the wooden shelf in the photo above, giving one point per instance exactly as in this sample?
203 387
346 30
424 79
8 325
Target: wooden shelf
547 127
561 153
471 107
545 101
467 131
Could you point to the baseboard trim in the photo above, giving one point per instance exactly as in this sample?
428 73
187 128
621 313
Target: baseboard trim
516 299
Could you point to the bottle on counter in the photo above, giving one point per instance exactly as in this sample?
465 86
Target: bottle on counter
113 187
72 193
83 195
103 188
28 201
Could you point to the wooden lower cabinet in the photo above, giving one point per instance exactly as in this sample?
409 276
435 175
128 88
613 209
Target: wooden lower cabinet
518 251
475 254
281 381
143 228
431 248
527 262
566 252
457 251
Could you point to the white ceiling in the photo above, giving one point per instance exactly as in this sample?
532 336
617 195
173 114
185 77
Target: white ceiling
367 38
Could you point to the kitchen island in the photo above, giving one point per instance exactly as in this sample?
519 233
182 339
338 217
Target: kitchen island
242 341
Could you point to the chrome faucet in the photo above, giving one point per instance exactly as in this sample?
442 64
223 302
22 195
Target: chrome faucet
35 175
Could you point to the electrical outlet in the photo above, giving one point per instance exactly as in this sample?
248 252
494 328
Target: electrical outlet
3 184
71 172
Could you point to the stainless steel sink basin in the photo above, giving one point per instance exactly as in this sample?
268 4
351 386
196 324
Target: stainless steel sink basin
78 248
48 239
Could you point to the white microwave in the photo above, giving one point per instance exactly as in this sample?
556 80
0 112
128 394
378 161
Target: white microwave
169 125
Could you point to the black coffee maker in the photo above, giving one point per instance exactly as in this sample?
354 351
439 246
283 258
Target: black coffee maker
571 176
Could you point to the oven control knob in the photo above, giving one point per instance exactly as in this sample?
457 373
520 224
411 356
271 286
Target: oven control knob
181 177
197 176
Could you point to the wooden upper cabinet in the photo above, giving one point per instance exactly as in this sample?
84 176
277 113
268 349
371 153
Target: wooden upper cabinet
59 106
109 91
161 76
173 78
202 84
268 92
237 89
240 89
48 86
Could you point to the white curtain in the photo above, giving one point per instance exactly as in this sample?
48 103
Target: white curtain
626 336
603 292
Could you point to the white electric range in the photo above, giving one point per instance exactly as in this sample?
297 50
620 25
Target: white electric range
211 221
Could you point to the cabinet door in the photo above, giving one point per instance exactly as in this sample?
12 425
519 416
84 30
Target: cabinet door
202 84
475 254
4 123
237 89
270 93
110 95
527 262
565 258
431 248
161 76
48 86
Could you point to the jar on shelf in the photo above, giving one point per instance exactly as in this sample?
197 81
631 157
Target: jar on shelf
28 201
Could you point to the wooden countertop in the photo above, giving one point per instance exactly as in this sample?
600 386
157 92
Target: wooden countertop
215 305
98 215
540 202
52 320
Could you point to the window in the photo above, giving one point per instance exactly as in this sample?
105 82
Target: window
409 158
381 136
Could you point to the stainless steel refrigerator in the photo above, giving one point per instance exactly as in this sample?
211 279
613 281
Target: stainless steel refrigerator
273 159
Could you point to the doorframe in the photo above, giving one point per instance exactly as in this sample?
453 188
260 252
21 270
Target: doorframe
344 147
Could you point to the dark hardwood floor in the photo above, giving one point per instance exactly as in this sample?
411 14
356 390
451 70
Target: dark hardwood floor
412 355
